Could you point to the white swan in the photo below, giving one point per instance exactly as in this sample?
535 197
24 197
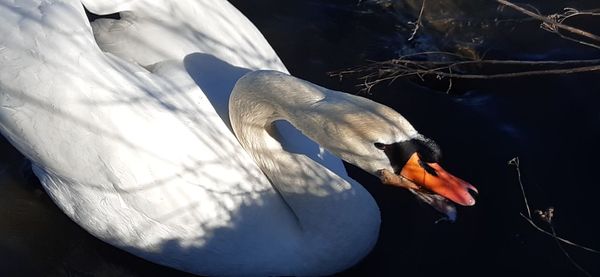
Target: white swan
131 139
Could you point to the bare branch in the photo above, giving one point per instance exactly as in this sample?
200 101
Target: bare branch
557 237
515 162
547 216
567 253
552 24
417 23
387 71
520 74
452 65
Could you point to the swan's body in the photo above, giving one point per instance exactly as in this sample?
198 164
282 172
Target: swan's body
143 157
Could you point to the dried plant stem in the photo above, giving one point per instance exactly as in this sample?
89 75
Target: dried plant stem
567 253
494 62
559 240
505 75
550 21
563 240
577 41
515 162
451 65
417 23
447 66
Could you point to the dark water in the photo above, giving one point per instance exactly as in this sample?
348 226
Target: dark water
551 123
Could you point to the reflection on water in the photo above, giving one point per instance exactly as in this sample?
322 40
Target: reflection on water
551 123
492 29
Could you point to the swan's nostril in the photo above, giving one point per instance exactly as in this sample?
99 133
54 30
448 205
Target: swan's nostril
428 168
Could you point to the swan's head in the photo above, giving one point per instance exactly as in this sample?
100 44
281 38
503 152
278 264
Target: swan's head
382 142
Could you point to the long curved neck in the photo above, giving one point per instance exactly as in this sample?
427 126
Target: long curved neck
334 213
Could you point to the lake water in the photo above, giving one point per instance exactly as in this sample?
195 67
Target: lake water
552 123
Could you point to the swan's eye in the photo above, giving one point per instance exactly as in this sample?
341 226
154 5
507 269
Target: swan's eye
380 146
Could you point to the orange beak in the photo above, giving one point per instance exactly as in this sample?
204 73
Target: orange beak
442 182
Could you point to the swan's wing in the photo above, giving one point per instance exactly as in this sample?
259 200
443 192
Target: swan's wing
140 161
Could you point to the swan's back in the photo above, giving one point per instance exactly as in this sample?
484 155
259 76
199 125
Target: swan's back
152 31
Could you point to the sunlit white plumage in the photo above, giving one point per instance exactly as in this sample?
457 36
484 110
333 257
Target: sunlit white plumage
132 140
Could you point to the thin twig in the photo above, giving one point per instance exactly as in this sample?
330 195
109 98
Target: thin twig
393 69
570 12
452 65
417 23
577 41
567 253
394 66
547 217
515 162
550 21
436 71
519 74
562 17
557 237
493 62
449 82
